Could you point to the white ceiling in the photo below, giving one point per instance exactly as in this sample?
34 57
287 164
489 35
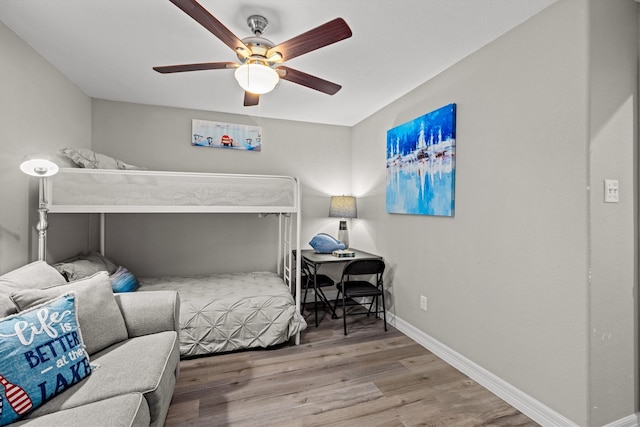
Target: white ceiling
107 48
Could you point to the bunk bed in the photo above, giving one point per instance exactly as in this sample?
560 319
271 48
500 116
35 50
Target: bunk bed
219 312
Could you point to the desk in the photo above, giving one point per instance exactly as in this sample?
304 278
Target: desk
315 260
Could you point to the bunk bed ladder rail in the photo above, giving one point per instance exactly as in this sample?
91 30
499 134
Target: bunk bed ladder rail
285 251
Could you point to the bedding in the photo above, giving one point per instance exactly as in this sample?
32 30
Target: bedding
85 158
82 187
87 264
84 265
232 311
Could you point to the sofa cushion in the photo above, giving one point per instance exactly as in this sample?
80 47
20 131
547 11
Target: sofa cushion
98 313
145 364
41 355
140 320
36 275
7 307
126 410
84 265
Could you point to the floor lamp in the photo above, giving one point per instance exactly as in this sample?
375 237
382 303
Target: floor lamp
343 207
40 168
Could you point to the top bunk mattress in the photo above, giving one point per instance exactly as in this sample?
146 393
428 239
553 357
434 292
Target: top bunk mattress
139 191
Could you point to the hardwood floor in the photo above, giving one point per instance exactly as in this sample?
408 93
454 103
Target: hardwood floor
368 378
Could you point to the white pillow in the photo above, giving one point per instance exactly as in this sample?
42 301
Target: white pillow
89 159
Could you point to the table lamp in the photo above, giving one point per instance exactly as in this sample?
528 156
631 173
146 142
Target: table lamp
343 207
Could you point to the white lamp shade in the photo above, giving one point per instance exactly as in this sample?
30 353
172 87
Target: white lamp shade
257 78
343 207
39 167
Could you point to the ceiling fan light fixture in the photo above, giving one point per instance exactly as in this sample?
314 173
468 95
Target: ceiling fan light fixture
256 78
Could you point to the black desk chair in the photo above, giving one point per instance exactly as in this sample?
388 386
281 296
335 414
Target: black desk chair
321 281
351 286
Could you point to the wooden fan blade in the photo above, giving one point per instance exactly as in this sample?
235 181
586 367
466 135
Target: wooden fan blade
308 80
195 67
251 99
208 21
324 35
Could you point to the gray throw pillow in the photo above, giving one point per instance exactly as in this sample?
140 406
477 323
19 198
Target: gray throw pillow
38 275
85 265
100 319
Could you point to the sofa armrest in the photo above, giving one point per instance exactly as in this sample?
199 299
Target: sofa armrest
149 312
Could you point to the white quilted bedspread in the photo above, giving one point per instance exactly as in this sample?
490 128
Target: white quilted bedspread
225 312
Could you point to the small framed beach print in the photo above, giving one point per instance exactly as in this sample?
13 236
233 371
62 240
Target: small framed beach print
205 133
421 165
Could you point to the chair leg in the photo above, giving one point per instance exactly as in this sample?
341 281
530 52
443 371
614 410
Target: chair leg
315 302
326 302
384 312
374 299
304 299
335 304
344 313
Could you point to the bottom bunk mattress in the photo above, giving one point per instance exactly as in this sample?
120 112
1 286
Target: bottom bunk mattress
233 311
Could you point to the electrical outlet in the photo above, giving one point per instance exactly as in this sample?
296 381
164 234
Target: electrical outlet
423 303
611 190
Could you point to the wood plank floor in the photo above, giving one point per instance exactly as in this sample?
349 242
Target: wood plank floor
368 378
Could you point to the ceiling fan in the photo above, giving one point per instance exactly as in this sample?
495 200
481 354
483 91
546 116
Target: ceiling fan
259 71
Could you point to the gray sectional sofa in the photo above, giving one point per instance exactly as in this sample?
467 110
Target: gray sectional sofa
131 340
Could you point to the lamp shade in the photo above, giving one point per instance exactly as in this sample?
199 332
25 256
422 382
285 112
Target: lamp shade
257 78
39 167
343 207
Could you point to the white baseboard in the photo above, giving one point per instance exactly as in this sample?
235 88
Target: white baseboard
526 404
529 406
630 421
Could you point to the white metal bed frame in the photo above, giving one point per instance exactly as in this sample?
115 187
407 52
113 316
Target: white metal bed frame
287 214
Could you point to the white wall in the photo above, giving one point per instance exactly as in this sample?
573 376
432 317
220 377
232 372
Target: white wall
508 277
40 112
159 138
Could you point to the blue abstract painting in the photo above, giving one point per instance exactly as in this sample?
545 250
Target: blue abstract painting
421 164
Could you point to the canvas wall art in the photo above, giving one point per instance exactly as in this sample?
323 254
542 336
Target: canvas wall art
225 135
421 164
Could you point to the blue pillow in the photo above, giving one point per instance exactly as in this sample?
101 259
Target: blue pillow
41 355
123 281
325 244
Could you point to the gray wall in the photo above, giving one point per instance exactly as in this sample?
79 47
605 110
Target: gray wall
40 112
159 138
508 278
613 54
